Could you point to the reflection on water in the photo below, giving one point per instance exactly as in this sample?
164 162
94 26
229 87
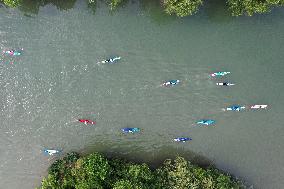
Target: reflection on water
153 159
33 6
155 10
217 11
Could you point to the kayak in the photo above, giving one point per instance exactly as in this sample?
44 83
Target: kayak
219 74
87 121
170 83
259 106
16 53
13 52
110 60
225 84
51 152
235 108
130 130
7 62
206 122
182 139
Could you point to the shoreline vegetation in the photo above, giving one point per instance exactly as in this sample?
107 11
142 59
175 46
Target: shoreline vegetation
97 171
179 8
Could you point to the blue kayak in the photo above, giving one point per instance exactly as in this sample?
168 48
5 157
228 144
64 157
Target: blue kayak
51 152
17 53
130 130
206 122
182 139
171 83
235 108
219 74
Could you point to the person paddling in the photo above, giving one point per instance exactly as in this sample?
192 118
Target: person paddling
13 52
87 121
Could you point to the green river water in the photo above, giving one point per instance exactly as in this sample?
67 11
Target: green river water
57 81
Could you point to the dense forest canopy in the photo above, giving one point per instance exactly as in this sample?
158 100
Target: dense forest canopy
180 8
97 171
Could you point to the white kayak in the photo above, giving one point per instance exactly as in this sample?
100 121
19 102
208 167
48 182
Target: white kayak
51 151
236 108
110 60
225 84
256 106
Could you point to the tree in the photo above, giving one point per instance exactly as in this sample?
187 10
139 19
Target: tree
12 3
115 3
175 175
124 184
250 7
91 171
179 8
182 7
50 183
182 174
95 171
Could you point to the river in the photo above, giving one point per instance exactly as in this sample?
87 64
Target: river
56 81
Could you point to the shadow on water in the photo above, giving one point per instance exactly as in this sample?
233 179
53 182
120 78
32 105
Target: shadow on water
153 159
217 11
123 4
156 11
92 5
33 6
153 8
61 5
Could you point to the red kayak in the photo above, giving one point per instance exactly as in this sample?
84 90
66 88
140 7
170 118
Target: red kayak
87 121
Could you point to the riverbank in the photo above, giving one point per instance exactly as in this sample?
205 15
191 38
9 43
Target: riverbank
97 171
179 8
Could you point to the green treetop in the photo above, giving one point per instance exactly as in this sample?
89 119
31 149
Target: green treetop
96 171
182 7
179 8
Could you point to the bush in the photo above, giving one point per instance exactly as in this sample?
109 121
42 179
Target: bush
95 171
